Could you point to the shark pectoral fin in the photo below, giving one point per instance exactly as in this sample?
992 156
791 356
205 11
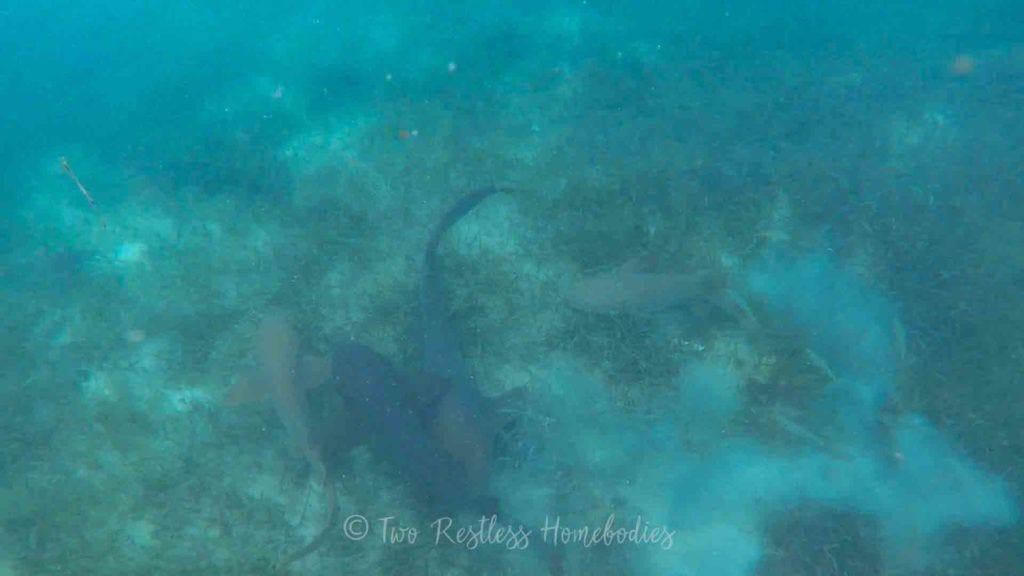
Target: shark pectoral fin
246 389
312 371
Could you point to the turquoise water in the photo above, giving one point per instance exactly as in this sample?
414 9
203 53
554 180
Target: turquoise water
746 299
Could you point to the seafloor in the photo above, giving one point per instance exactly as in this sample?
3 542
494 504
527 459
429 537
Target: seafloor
860 415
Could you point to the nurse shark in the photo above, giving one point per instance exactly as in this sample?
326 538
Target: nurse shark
431 426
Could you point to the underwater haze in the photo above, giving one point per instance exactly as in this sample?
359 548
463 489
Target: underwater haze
452 288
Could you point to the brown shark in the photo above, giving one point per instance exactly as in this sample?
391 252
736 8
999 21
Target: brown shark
278 375
635 287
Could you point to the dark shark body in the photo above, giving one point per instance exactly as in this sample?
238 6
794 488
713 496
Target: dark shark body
390 412
442 355
432 426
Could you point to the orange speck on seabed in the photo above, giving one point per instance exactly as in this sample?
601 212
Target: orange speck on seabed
404 134
963 65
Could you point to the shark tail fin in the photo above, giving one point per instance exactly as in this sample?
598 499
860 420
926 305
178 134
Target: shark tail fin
315 543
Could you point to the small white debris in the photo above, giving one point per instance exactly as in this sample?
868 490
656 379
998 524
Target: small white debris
131 253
